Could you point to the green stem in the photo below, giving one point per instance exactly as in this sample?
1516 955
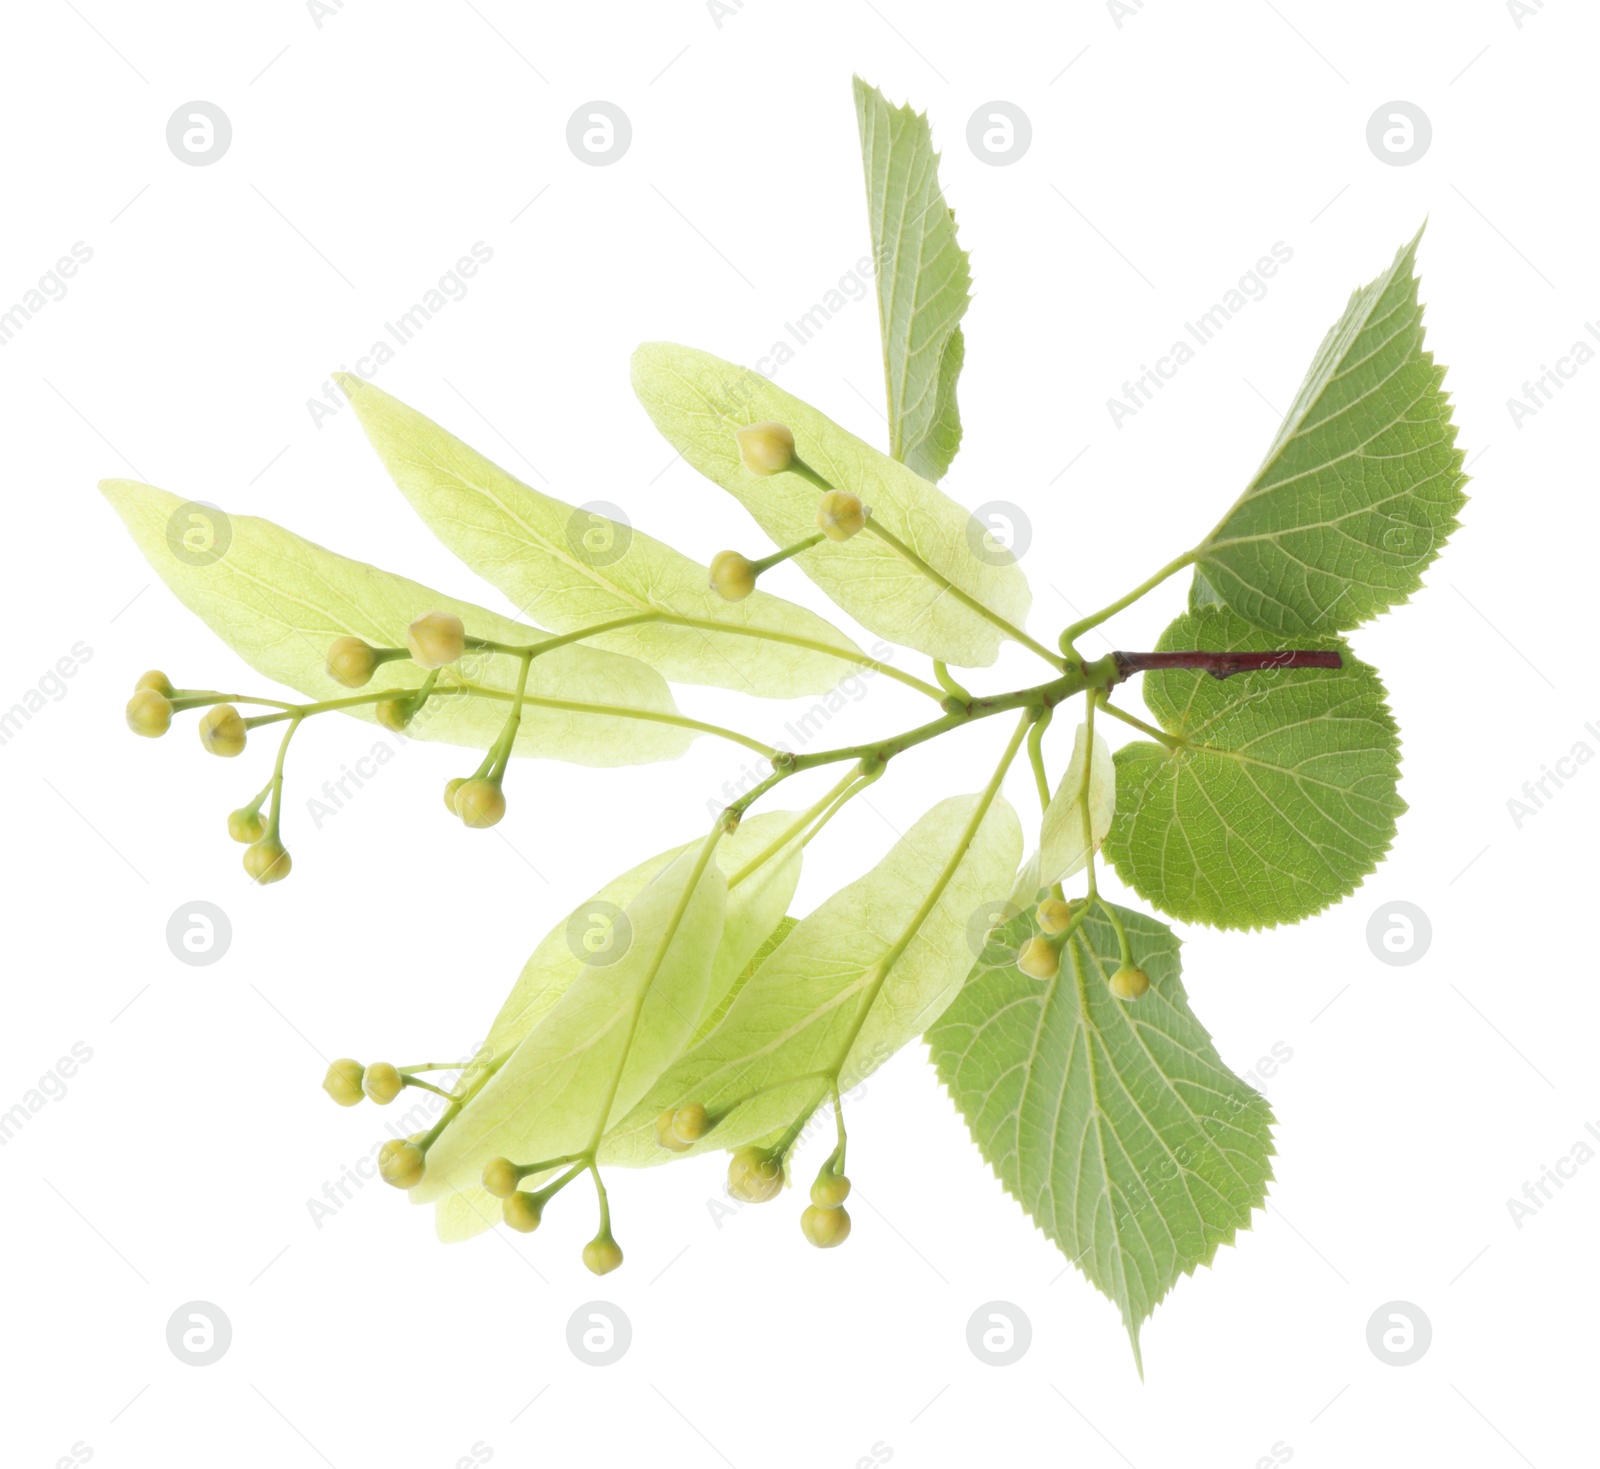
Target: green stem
949 684
508 736
1041 778
1170 741
1073 633
766 563
889 538
1083 792
792 831
711 625
276 810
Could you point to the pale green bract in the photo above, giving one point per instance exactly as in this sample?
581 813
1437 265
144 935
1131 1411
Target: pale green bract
794 1018
279 601
698 402
572 567
923 281
614 1030
1115 1125
1362 484
1062 849
1281 796
755 909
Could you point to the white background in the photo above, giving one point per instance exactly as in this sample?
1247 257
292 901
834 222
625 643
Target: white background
1169 152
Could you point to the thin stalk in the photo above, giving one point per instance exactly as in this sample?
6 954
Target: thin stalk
1172 568
1010 629
792 831
1170 741
766 563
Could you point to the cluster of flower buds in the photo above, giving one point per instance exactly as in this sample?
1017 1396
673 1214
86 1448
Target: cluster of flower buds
347 1082
1040 956
826 1222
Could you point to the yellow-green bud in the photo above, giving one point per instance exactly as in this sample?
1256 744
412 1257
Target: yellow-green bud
266 860
602 1255
222 730
501 1177
351 662
733 577
157 680
840 515
393 714
435 639
521 1211
666 1137
401 1164
343 1081
245 825
825 1228
766 448
754 1175
382 1083
1039 958
1129 983
830 1190
149 713
691 1123
450 789
480 802
1054 915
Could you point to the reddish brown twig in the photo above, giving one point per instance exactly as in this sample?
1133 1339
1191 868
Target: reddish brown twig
1224 665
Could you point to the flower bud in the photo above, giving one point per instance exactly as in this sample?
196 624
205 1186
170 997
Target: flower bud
1039 958
1054 914
1129 983
266 860
830 1190
382 1083
521 1211
343 1081
435 639
766 448
840 515
733 577
393 714
245 825
480 802
157 680
754 1175
602 1254
666 1137
351 662
401 1164
825 1228
222 730
450 789
501 1177
690 1123
149 713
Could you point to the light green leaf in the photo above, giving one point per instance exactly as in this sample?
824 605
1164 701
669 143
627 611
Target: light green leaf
1280 795
801 1012
1116 1126
923 282
279 601
572 568
613 1031
1362 484
714 1018
1202 593
1062 850
698 402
